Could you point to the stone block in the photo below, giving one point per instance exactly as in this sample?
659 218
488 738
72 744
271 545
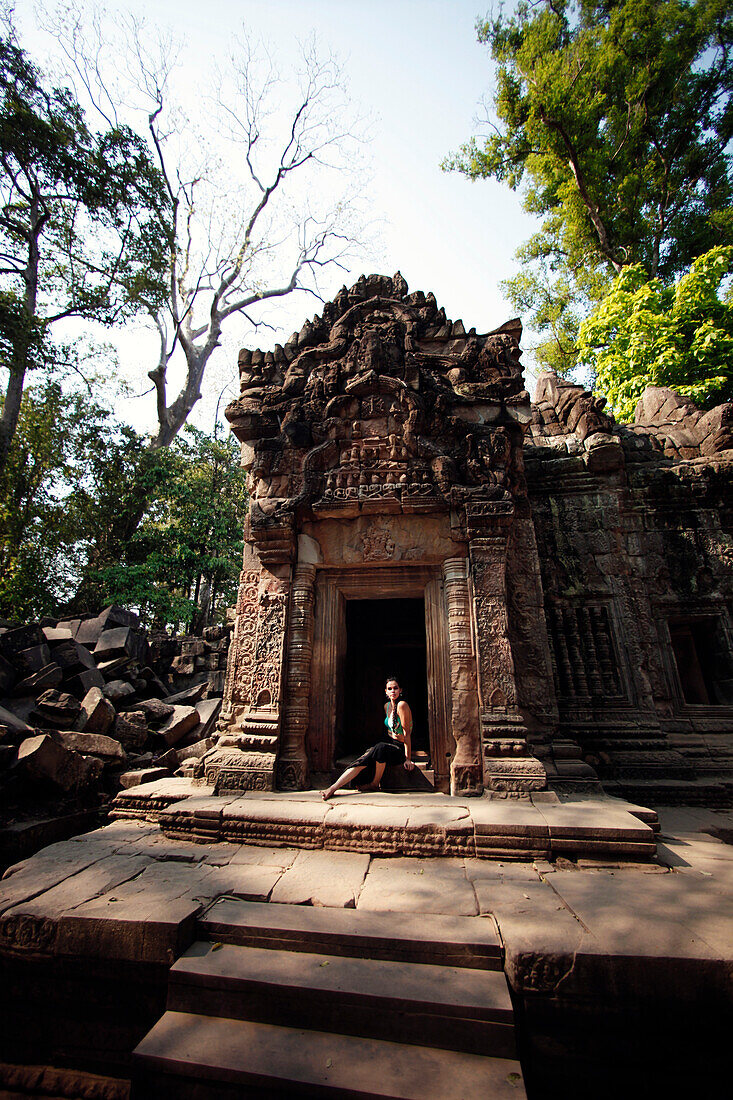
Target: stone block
72 657
323 878
192 647
33 659
58 707
183 666
181 722
55 634
136 778
48 677
118 616
69 624
90 744
155 710
97 713
168 759
89 632
19 638
155 687
117 690
10 719
8 676
111 669
215 685
208 711
82 682
45 761
418 885
132 734
195 751
120 641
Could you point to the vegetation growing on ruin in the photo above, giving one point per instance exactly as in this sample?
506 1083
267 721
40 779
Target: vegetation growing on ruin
616 121
646 333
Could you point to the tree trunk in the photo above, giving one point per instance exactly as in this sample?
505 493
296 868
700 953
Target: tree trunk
11 412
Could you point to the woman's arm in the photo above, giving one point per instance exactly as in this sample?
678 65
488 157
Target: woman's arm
406 719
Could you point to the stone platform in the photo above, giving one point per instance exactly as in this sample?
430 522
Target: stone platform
619 971
381 823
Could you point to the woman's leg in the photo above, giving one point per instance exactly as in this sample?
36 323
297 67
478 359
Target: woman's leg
347 776
378 773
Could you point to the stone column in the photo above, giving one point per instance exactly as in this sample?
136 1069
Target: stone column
508 766
466 770
292 764
244 758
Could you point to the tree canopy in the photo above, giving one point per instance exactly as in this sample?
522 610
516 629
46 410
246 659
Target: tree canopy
82 221
647 333
615 117
72 477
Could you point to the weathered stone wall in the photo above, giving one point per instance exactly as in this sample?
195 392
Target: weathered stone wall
633 527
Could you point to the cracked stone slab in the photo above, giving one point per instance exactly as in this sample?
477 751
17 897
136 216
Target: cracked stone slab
678 919
323 878
59 862
250 855
409 885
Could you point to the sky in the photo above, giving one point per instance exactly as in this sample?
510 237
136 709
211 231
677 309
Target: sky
415 68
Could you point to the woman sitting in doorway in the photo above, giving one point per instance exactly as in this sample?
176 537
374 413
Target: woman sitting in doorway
395 750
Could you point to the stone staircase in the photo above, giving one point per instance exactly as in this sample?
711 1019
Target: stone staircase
278 1000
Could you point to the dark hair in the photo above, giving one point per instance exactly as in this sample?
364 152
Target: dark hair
394 717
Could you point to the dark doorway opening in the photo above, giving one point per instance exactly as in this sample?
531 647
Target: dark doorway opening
703 661
383 638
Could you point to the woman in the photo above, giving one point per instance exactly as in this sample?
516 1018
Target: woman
395 750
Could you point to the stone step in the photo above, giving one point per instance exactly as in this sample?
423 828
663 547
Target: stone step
449 1007
188 1056
408 937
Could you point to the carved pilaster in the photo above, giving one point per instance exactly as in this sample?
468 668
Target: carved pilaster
292 765
508 765
466 771
244 758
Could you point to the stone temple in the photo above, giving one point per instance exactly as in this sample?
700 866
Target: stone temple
552 589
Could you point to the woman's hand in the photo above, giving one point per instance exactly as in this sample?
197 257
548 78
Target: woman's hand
409 765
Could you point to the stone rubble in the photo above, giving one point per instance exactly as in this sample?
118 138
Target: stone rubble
92 706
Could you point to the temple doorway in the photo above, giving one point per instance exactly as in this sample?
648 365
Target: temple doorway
384 637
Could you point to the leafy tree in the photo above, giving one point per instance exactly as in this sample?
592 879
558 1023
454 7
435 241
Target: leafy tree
253 220
57 490
83 222
645 333
616 118
184 559
73 474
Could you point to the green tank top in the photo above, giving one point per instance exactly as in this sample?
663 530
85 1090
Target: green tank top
398 727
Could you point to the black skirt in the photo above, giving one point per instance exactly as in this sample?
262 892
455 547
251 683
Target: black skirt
384 752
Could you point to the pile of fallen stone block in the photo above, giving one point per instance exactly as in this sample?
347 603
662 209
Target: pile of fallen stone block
92 705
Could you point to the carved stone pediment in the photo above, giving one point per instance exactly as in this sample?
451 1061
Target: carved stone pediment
380 405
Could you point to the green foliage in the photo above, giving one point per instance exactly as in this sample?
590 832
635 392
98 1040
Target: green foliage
184 557
84 500
90 204
645 333
84 223
616 119
46 473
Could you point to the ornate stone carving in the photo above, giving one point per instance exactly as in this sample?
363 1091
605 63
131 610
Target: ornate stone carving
466 777
28 933
292 766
